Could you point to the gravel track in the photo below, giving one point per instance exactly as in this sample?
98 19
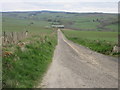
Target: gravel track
75 66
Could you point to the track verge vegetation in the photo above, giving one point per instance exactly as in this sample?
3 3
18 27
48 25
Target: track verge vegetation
102 42
26 64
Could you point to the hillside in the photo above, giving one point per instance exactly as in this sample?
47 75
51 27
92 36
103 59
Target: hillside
44 19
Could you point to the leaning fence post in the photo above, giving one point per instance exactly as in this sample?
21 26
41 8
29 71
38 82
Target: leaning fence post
4 36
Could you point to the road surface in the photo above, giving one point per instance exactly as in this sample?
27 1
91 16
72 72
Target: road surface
75 66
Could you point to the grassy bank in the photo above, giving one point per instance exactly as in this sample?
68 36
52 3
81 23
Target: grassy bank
102 42
26 64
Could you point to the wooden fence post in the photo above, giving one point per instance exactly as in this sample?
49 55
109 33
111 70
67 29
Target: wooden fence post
4 36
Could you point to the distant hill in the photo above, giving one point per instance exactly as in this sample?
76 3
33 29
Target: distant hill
96 21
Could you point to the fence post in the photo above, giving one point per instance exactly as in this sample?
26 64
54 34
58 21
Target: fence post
4 36
12 37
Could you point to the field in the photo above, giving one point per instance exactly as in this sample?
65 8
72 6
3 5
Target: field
102 42
93 35
11 24
34 21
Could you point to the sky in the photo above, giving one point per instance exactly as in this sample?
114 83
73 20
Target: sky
105 6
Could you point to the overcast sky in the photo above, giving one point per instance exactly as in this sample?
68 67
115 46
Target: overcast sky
107 6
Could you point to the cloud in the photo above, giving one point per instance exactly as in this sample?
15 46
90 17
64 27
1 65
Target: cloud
59 1
62 6
8 1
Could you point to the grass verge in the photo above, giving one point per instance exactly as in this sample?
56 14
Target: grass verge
23 67
94 40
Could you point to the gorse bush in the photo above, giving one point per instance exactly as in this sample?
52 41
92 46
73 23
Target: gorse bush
23 69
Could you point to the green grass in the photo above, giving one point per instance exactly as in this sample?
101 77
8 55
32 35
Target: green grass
86 25
17 25
102 42
113 27
93 35
79 21
23 69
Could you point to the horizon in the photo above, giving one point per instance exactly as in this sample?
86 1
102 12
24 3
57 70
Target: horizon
57 11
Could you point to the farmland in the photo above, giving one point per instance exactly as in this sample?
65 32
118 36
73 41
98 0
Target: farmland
93 35
17 24
33 21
